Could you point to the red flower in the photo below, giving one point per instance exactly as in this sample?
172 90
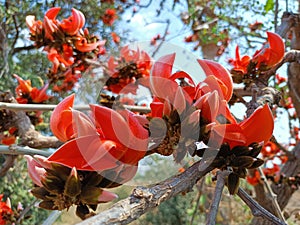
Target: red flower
280 79
101 141
35 27
115 37
27 94
109 17
269 150
240 64
74 23
61 120
50 24
5 211
83 45
271 53
256 128
219 72
132 68
254 179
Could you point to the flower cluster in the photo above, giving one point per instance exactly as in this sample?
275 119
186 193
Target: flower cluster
205 105
269 55
100 151
127 71
109 17
28 94
9 216
68 46
6 212
185 113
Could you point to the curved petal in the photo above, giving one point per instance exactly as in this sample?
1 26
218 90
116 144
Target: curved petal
228 133
272 52
160 84
35 171
163 66
182 75
259 126
216 69
212 83
61 119
52 13
138 143
74 23
82 124
112 124
157 108
88 153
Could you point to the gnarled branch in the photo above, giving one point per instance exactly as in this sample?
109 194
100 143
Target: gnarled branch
144 199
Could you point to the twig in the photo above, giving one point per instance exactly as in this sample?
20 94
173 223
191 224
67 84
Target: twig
26 210
44 107
19 150
162 39
199 187
257 209
213 210
145 198
271 194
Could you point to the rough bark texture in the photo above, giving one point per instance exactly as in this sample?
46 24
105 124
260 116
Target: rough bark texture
284 192
292 167
144 199
26 131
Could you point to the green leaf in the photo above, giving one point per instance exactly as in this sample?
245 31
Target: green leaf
269 5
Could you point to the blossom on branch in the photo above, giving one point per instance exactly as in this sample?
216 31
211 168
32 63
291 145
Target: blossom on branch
126 72
28 94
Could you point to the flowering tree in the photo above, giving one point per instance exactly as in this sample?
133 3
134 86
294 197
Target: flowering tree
98 147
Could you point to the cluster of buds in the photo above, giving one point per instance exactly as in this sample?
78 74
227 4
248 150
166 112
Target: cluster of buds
59 187
67 44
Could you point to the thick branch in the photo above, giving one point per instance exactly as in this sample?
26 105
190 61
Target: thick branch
26 131
30 137
143 199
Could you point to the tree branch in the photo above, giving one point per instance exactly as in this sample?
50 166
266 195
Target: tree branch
272 195
257 209
143 199
213 210
20 150
44 107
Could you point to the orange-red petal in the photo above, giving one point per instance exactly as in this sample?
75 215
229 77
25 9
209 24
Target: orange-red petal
259 126
61 120
87 153
217 70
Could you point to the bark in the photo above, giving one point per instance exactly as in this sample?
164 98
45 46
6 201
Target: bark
26 131
284 192
144 199
289 22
